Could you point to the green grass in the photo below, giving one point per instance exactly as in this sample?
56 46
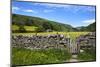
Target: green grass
27 28
15 27
30 28
21 56
87 55
72 35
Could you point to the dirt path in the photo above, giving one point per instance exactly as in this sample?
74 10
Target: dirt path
74 59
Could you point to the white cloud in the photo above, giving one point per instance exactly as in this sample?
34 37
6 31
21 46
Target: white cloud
91 9
53 5
56 5
47 11
30 11
15 8
75 8
89 21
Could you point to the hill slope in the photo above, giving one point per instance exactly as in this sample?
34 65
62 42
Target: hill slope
90 28
22 23
42 24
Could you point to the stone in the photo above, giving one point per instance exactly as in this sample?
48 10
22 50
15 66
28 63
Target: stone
40 42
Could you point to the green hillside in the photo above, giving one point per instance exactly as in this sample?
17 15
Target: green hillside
21 23
89 28
41 25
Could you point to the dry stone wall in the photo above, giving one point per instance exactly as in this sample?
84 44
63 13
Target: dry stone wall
41 42
57 41
86 41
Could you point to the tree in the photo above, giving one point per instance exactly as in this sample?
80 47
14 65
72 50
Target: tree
47 25
21 29
40 29
29 22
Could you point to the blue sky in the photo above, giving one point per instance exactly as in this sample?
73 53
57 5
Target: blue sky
74 15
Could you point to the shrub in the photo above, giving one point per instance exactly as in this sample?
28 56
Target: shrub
22 29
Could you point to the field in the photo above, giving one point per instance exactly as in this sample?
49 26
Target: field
27 28
15 27
21 56
72 35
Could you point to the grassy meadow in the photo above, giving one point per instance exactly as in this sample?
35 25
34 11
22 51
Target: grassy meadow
21 56
72 35
27 28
